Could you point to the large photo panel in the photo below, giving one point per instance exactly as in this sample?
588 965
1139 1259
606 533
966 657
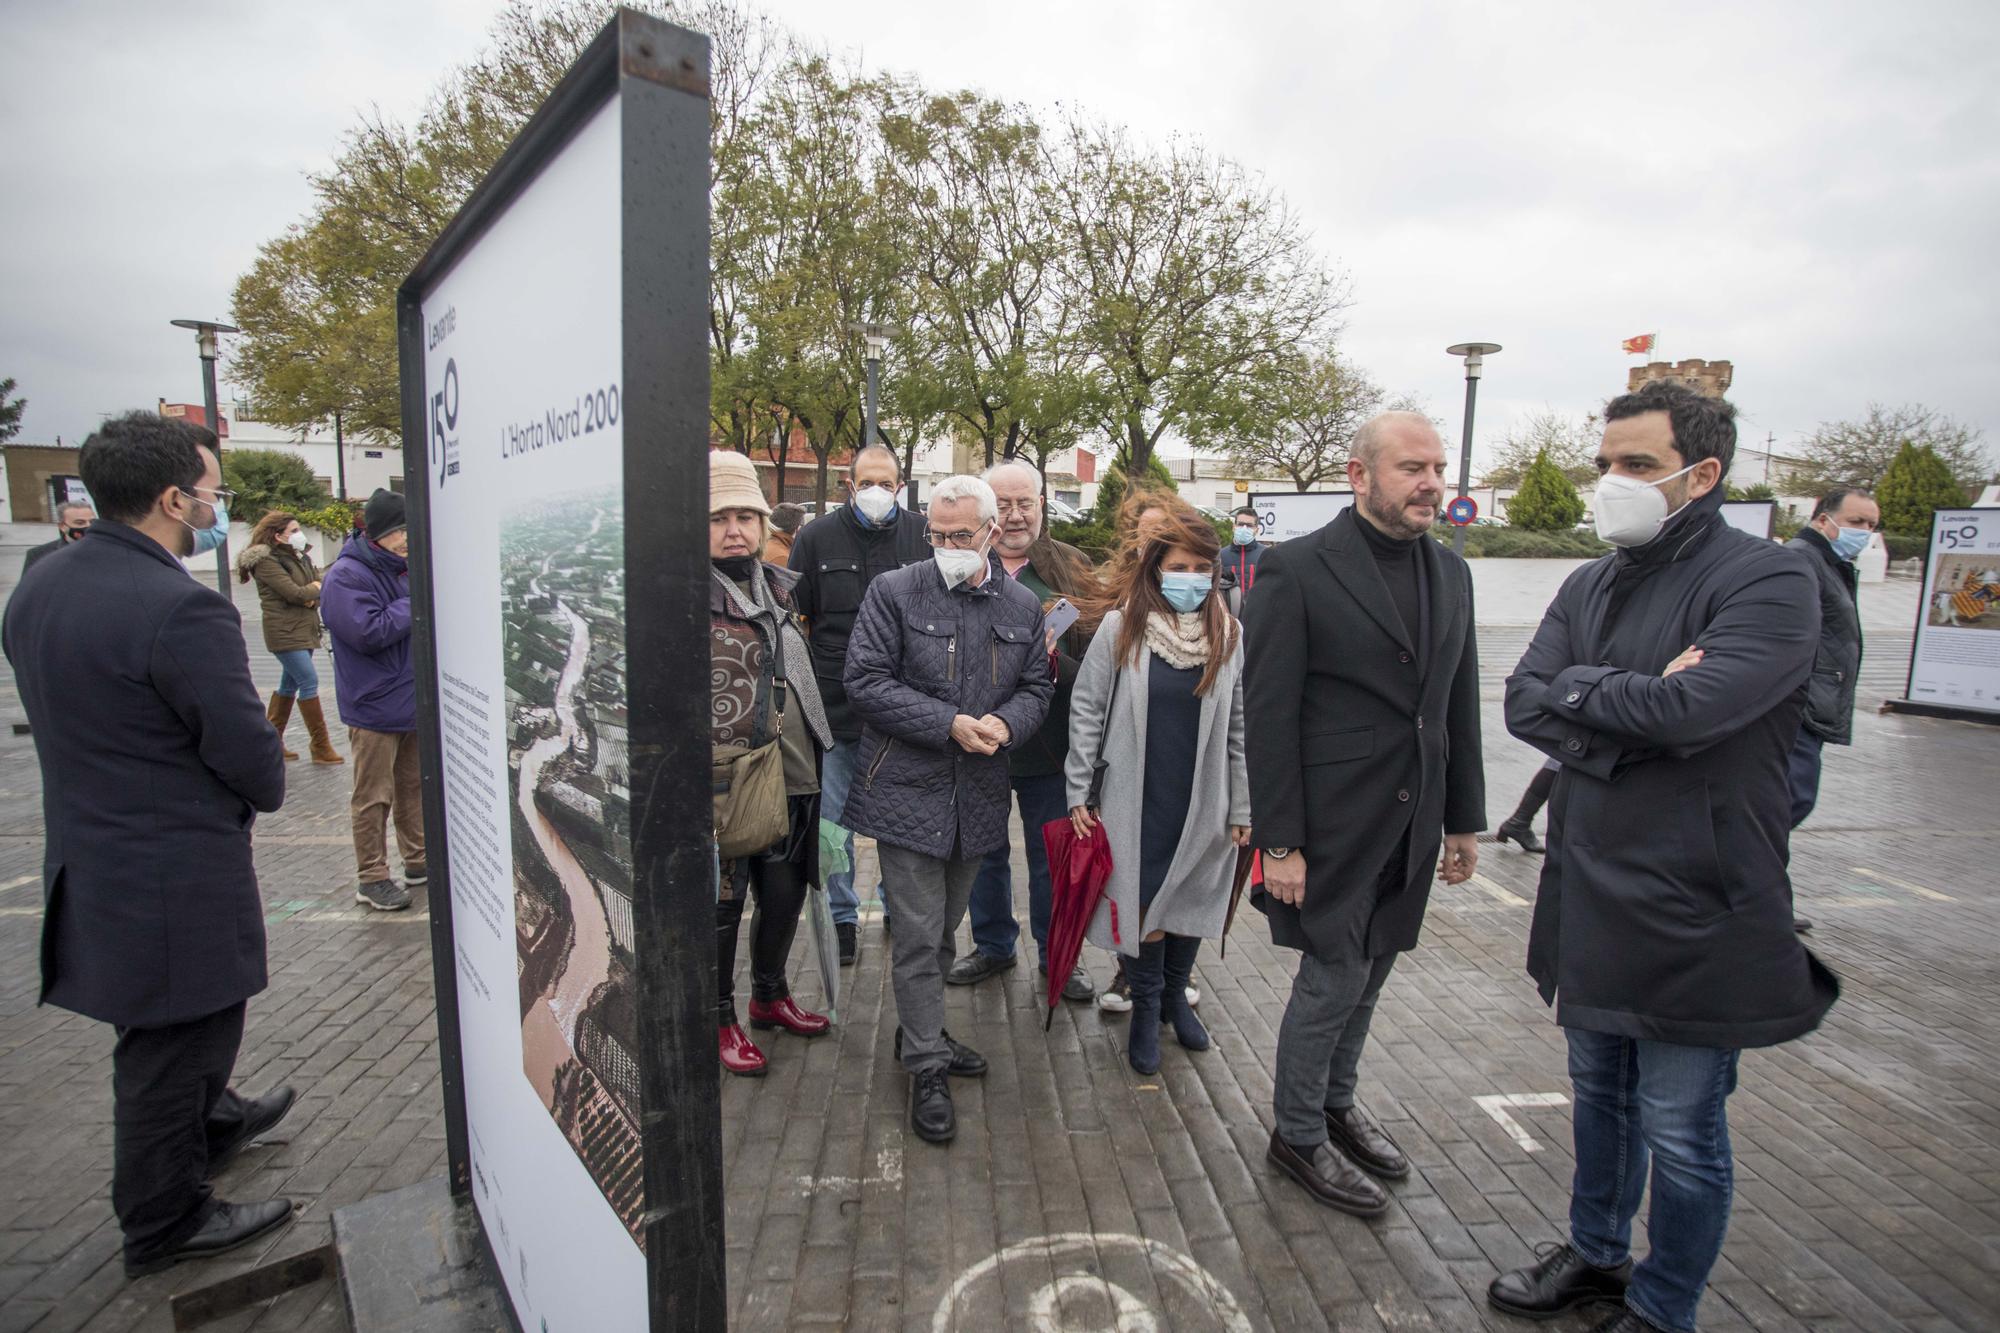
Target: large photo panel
523 346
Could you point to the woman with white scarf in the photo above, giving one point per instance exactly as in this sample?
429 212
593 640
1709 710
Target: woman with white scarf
760 684
1159 701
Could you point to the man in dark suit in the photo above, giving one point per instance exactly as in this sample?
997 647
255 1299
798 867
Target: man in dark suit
1361 701
73 521
155 756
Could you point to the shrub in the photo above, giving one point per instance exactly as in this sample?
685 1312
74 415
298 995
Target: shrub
1917 484
1518 543
1905 545
1547 500
267 479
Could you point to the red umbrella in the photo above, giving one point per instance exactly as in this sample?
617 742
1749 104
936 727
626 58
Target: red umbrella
1079 868
1249 866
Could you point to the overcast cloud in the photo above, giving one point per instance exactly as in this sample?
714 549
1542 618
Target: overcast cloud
1807 190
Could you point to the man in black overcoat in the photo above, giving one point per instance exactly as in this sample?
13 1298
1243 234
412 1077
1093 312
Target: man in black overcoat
1361 703
155 756
73 519
1669 678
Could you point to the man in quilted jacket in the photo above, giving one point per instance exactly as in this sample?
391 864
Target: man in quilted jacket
947 669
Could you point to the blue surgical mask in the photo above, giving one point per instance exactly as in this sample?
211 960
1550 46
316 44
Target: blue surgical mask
209 538
1185 592
1244 536
1850 542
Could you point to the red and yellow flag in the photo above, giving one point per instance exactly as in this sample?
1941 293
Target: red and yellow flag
1640 345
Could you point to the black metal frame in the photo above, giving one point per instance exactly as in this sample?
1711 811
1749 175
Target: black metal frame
660 74
1918 708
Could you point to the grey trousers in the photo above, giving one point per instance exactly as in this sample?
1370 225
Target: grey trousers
927 897
1319 1042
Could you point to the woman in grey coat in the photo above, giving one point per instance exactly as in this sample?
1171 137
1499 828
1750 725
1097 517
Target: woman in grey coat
1159 702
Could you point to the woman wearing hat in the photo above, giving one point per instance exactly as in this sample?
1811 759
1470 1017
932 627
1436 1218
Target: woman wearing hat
761 685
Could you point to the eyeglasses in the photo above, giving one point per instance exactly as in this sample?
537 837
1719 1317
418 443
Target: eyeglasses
1018 507
963 541
223 495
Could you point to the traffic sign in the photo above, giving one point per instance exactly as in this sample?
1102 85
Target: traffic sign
1462 510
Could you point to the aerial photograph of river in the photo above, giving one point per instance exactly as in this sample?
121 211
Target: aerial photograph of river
564 654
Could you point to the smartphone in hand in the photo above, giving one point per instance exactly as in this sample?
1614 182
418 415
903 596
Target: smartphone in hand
1059 618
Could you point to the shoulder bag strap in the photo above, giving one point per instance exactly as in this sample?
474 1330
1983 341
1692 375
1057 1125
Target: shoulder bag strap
1094 800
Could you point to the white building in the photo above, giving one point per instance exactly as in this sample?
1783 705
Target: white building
365 467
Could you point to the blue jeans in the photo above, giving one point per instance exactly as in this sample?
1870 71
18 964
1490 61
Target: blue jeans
1802 772
994 929
299 677
836 775
1637 1100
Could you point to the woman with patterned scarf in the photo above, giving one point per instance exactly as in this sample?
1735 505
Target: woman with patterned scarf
761 684
1160 699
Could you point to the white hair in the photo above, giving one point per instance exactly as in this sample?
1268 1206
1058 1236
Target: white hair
968 488
1041 482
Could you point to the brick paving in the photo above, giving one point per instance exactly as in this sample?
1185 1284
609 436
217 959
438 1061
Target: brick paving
1868 1155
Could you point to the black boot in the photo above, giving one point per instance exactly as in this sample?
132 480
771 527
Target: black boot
1145 973
1520 826
1176 967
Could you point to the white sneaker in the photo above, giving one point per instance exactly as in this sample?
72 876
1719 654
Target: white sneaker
1116 998
1193 996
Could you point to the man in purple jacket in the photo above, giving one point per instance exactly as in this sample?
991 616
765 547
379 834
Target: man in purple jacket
365 602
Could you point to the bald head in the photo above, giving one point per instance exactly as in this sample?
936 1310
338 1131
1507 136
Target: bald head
1380 430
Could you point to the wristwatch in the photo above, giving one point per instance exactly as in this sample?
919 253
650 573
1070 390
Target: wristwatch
1278 853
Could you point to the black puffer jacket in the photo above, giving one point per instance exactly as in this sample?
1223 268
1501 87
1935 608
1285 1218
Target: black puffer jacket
1837 665
920 655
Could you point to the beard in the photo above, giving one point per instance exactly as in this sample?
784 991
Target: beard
1395 519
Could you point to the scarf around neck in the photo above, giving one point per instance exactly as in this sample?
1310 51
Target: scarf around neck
1179 639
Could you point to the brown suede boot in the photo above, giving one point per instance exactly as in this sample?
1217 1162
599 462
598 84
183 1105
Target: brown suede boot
280 713
322 745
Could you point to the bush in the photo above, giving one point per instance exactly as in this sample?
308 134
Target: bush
266 479
1917 484
1547 500
335 519
1518 543
1906 546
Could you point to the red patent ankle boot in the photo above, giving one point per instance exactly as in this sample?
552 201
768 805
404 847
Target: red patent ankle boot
740 1054
787 1015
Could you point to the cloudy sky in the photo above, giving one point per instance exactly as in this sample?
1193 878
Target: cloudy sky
1808 190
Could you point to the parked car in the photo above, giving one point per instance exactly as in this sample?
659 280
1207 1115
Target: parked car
1064 512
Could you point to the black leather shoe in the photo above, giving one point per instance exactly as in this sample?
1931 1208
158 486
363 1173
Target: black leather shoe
975 968
965 1062
1627 1320
931 1114
230 1225
850 947
1330 1178
1367 1143
260 1115
1561 1280
1522 832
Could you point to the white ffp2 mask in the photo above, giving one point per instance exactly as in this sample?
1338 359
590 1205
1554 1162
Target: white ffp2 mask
1629 512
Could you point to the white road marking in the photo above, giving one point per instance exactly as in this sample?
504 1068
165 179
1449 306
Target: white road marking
1917 889
1499 1104
888 1171
1493 890
1075 1254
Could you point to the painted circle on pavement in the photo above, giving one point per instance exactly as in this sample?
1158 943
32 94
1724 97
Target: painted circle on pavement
1081 1300
1462 510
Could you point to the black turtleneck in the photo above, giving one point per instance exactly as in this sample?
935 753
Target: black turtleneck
735 568
1396 557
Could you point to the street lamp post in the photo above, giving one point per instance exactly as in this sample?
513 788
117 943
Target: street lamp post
205 331
1474 354
875 341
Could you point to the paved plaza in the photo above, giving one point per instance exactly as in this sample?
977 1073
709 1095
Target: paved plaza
1079 1195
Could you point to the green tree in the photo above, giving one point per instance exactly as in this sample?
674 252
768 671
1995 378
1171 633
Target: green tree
1190 277
267 479
1758 492
1859 453
10 411
1916 484
1300 426
1569 442
1547 500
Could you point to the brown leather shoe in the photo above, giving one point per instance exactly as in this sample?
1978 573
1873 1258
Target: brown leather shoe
1367 1143
1330 1178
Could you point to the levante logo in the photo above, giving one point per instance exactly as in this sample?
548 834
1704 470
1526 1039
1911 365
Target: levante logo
444 424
